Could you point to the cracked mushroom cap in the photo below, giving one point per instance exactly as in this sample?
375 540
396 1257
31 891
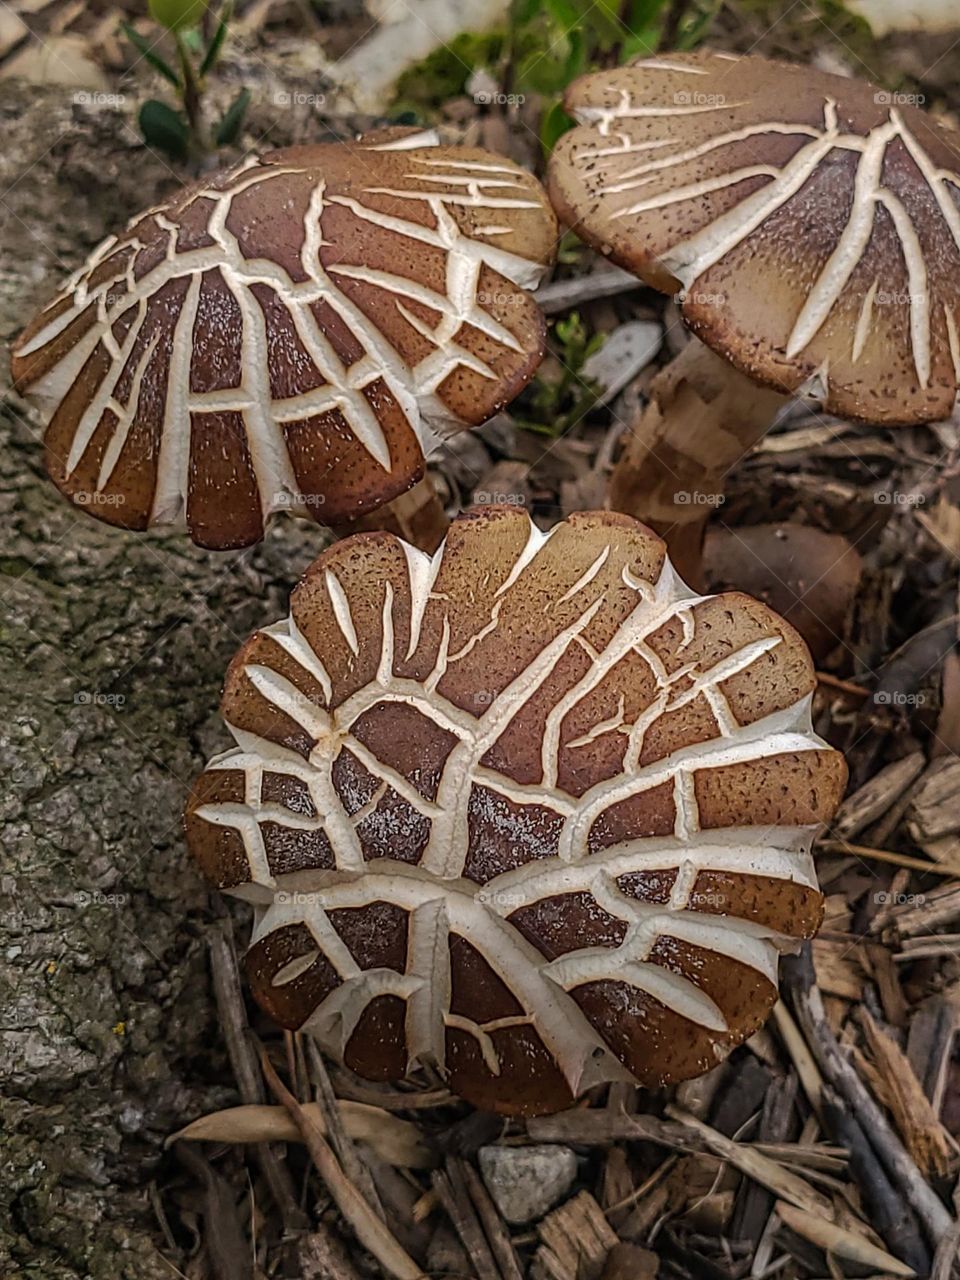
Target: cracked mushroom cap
811 222
290 333
529 810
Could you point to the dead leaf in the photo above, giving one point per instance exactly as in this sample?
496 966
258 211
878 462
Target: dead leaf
942 522
61 60
395 1141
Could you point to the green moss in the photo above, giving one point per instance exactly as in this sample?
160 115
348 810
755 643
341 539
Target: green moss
443 74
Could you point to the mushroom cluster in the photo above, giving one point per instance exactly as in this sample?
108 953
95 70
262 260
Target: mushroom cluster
529 811
292 333
810 226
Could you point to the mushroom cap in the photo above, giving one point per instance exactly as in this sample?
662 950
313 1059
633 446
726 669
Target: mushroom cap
290 333
529 810
811 222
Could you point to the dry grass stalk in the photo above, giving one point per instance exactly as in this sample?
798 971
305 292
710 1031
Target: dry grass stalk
888 855
370 1230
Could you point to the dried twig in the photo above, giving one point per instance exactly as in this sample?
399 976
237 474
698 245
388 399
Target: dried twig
886 855
370 1230
341 1140
450 1187
243 1061
798 975
493 1225
897 1223
892 1080
686 1134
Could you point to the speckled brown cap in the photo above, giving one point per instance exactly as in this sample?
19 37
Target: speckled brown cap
812 222
291 333
530 810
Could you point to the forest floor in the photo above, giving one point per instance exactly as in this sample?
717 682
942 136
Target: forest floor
825 1146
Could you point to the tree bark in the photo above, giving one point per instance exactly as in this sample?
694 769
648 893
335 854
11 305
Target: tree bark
112 650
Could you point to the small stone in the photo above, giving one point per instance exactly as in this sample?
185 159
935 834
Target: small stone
525 1182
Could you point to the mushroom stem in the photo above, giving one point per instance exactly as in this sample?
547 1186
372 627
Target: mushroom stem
417 516
703 416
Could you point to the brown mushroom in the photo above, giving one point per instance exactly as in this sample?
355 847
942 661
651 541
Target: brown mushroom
529 810
292 333
811 227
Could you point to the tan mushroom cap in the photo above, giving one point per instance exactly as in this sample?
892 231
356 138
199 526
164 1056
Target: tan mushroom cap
530 810
291 333
812 222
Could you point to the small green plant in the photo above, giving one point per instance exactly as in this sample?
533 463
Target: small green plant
182 132
560 395
548 43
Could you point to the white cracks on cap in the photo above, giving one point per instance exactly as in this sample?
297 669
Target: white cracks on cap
347 387
440 903
864 322
688 259
850 247
342 611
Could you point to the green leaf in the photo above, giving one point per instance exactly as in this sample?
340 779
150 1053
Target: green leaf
576 62
554 123
523 11
216 44
565 13
164 128
192 40
647 13
545 70
695 29
176 15
607 27
640 42
232 122
144 49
